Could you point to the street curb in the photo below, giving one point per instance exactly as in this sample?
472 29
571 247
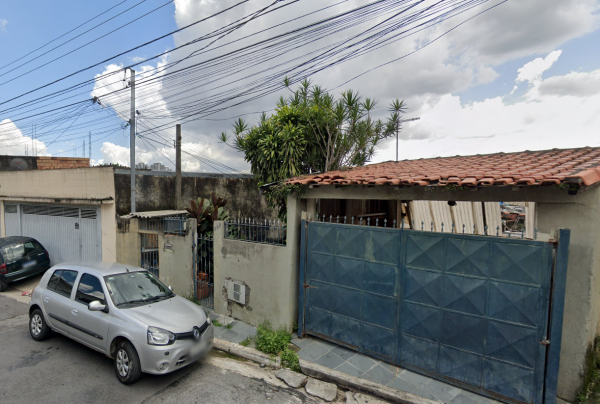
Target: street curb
355 383
323 373
247 353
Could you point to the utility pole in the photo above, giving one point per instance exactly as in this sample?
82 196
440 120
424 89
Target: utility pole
178 166
398 130
90 150
83 149
132 139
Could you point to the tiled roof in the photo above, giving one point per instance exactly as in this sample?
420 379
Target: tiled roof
548 167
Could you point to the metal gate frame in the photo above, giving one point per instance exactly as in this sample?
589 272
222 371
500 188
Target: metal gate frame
547 377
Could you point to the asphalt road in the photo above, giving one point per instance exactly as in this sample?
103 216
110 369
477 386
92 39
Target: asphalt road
59 370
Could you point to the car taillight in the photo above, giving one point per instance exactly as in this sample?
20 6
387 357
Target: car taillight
47 255
3 269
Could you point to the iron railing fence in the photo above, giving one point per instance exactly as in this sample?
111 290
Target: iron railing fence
422 226
149 251
272 232
170 225
204 278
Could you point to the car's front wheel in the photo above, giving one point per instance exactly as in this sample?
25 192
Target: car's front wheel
127 363
38 328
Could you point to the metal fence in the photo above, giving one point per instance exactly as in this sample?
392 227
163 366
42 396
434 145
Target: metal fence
257 231
422 226
169 225
149 251
204 280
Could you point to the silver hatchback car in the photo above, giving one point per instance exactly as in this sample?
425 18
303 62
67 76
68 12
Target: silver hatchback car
124 312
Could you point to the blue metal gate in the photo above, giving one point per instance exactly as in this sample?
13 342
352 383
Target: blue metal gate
469 310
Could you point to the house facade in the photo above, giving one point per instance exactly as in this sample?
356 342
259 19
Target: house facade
475 309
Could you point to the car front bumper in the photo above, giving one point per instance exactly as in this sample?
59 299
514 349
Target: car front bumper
163 359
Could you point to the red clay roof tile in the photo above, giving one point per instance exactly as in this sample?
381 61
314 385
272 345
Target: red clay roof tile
547 167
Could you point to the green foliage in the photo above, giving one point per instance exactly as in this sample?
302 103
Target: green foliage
271 341
206 211
246 342
312 131
217 324
289 359
229 326
295 329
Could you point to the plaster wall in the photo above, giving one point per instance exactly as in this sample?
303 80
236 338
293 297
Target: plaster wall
176 259
129 243
269 275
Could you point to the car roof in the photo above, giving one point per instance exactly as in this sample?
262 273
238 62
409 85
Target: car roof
4 241
100 268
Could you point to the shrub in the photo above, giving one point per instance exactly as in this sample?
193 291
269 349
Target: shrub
270 341
289 359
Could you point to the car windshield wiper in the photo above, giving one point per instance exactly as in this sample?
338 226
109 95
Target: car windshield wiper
132 302
148 299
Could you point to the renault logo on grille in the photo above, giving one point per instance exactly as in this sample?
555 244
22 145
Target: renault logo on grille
196 333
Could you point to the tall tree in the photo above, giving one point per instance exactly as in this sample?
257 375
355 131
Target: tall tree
311 131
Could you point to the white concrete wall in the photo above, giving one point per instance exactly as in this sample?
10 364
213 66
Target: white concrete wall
269 272
80 186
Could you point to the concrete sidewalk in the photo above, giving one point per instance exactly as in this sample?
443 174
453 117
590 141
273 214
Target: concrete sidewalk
355 364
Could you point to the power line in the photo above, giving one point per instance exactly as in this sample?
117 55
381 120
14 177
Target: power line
66 33
82 46
123 53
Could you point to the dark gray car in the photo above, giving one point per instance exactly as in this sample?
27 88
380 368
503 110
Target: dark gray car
20 258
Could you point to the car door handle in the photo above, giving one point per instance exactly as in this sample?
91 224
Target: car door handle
46 299
74 311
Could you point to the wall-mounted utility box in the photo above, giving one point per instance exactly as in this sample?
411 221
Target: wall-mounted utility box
236 291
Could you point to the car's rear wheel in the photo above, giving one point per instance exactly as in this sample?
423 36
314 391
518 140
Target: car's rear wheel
127 363
3 285
38 328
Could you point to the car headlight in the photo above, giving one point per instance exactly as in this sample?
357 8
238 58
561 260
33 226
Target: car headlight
208 320
158 336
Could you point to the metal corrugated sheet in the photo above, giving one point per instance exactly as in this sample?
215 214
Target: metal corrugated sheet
69 233
493 218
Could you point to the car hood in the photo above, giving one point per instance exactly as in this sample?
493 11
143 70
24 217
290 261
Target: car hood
176 314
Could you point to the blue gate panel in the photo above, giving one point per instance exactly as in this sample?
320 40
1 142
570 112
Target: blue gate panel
460 365
346 301
467 309
420 321
509 380
349 272
423 287
419 353
346 330
468 257
467 295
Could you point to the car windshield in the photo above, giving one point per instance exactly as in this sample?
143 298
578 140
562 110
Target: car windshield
134 288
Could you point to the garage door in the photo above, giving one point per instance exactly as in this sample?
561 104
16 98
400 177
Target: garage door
69 233
469 310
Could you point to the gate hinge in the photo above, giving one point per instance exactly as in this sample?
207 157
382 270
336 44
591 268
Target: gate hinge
553 242
308 286
545 342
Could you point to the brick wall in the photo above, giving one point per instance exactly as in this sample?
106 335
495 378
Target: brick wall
53 163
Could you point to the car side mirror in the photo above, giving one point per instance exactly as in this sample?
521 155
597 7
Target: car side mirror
171 288
96 306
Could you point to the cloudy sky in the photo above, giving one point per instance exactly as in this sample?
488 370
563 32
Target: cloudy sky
524 75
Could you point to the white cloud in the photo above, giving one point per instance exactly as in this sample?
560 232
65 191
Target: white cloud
14 142
558 112
533 70
3 24
577 84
